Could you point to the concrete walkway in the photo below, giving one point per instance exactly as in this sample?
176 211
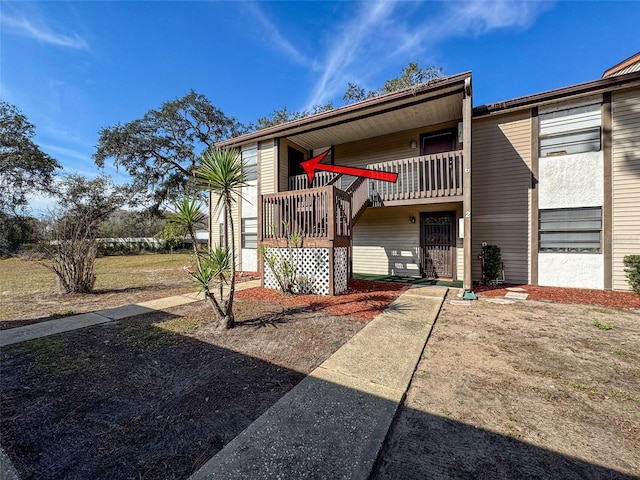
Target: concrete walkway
332 424
74 322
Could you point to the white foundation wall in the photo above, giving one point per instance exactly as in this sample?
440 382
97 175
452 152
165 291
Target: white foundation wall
577 270
568 181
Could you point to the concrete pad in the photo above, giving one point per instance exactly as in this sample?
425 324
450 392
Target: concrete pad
501 301
427 291
515 289
516 296
384 352
125 311
168 302
413 308
320 429
50 327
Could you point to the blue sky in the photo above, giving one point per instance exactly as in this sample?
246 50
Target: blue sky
74 67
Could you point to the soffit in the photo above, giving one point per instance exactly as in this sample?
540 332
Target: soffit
426 111
373 116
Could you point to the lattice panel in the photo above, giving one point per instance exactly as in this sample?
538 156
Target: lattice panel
312 265
340 269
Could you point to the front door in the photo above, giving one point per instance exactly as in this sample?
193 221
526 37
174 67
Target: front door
437 244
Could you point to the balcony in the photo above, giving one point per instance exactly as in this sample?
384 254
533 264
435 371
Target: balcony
428 178
321 216
324 214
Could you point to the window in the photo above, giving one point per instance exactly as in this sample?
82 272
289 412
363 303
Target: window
569 131
223 239
250 163
249 233
575 230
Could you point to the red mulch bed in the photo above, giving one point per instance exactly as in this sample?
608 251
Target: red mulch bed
364 298
602 298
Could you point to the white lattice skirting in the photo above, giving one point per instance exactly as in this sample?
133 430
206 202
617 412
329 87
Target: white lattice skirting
312 268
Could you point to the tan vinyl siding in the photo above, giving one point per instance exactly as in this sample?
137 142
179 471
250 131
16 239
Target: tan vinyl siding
385 242
501 175
215 222
267 161
626 181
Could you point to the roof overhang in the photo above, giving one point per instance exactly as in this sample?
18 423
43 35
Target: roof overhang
437 101
562 94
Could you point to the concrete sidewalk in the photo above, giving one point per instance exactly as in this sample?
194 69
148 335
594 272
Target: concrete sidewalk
332 424
74 322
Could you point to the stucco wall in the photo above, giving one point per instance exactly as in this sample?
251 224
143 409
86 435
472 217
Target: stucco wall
249 256
568 181
578 270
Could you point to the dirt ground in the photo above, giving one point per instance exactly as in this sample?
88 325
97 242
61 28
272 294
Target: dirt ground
528 390
154 396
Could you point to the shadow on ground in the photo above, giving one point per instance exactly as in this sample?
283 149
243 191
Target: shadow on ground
421 446
131 400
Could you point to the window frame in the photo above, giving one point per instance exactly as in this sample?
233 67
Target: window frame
575 215
573 127
245 235
249 165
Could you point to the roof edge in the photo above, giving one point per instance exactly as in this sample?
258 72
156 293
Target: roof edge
432 85
623 64
609 83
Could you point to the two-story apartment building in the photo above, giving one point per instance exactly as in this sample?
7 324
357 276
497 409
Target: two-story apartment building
553 179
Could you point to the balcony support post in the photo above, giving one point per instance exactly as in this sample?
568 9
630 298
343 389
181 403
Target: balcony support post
467 282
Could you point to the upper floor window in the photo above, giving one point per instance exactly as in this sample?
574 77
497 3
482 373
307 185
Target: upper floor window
570 130
250 163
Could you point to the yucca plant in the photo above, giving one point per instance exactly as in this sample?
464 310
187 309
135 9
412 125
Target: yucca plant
221 171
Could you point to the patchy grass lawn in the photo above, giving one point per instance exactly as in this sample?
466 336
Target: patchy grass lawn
528 390
29 291
154 396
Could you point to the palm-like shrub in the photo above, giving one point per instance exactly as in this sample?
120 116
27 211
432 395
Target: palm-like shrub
221 172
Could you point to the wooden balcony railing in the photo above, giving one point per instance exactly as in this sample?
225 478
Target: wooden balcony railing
319 215
359 192
320 179
428 176
325 215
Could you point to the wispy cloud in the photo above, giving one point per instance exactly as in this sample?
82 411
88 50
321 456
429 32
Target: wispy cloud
362 29
386 32
21 25
476 17
276 39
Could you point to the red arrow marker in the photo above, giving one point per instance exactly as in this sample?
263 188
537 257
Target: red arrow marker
310 166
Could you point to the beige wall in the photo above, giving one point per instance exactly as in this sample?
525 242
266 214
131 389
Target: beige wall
626 181
267 167
501 176
385 242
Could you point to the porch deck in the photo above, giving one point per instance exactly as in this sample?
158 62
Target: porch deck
324 215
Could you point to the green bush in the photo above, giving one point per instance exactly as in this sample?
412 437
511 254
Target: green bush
492 267
632 264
